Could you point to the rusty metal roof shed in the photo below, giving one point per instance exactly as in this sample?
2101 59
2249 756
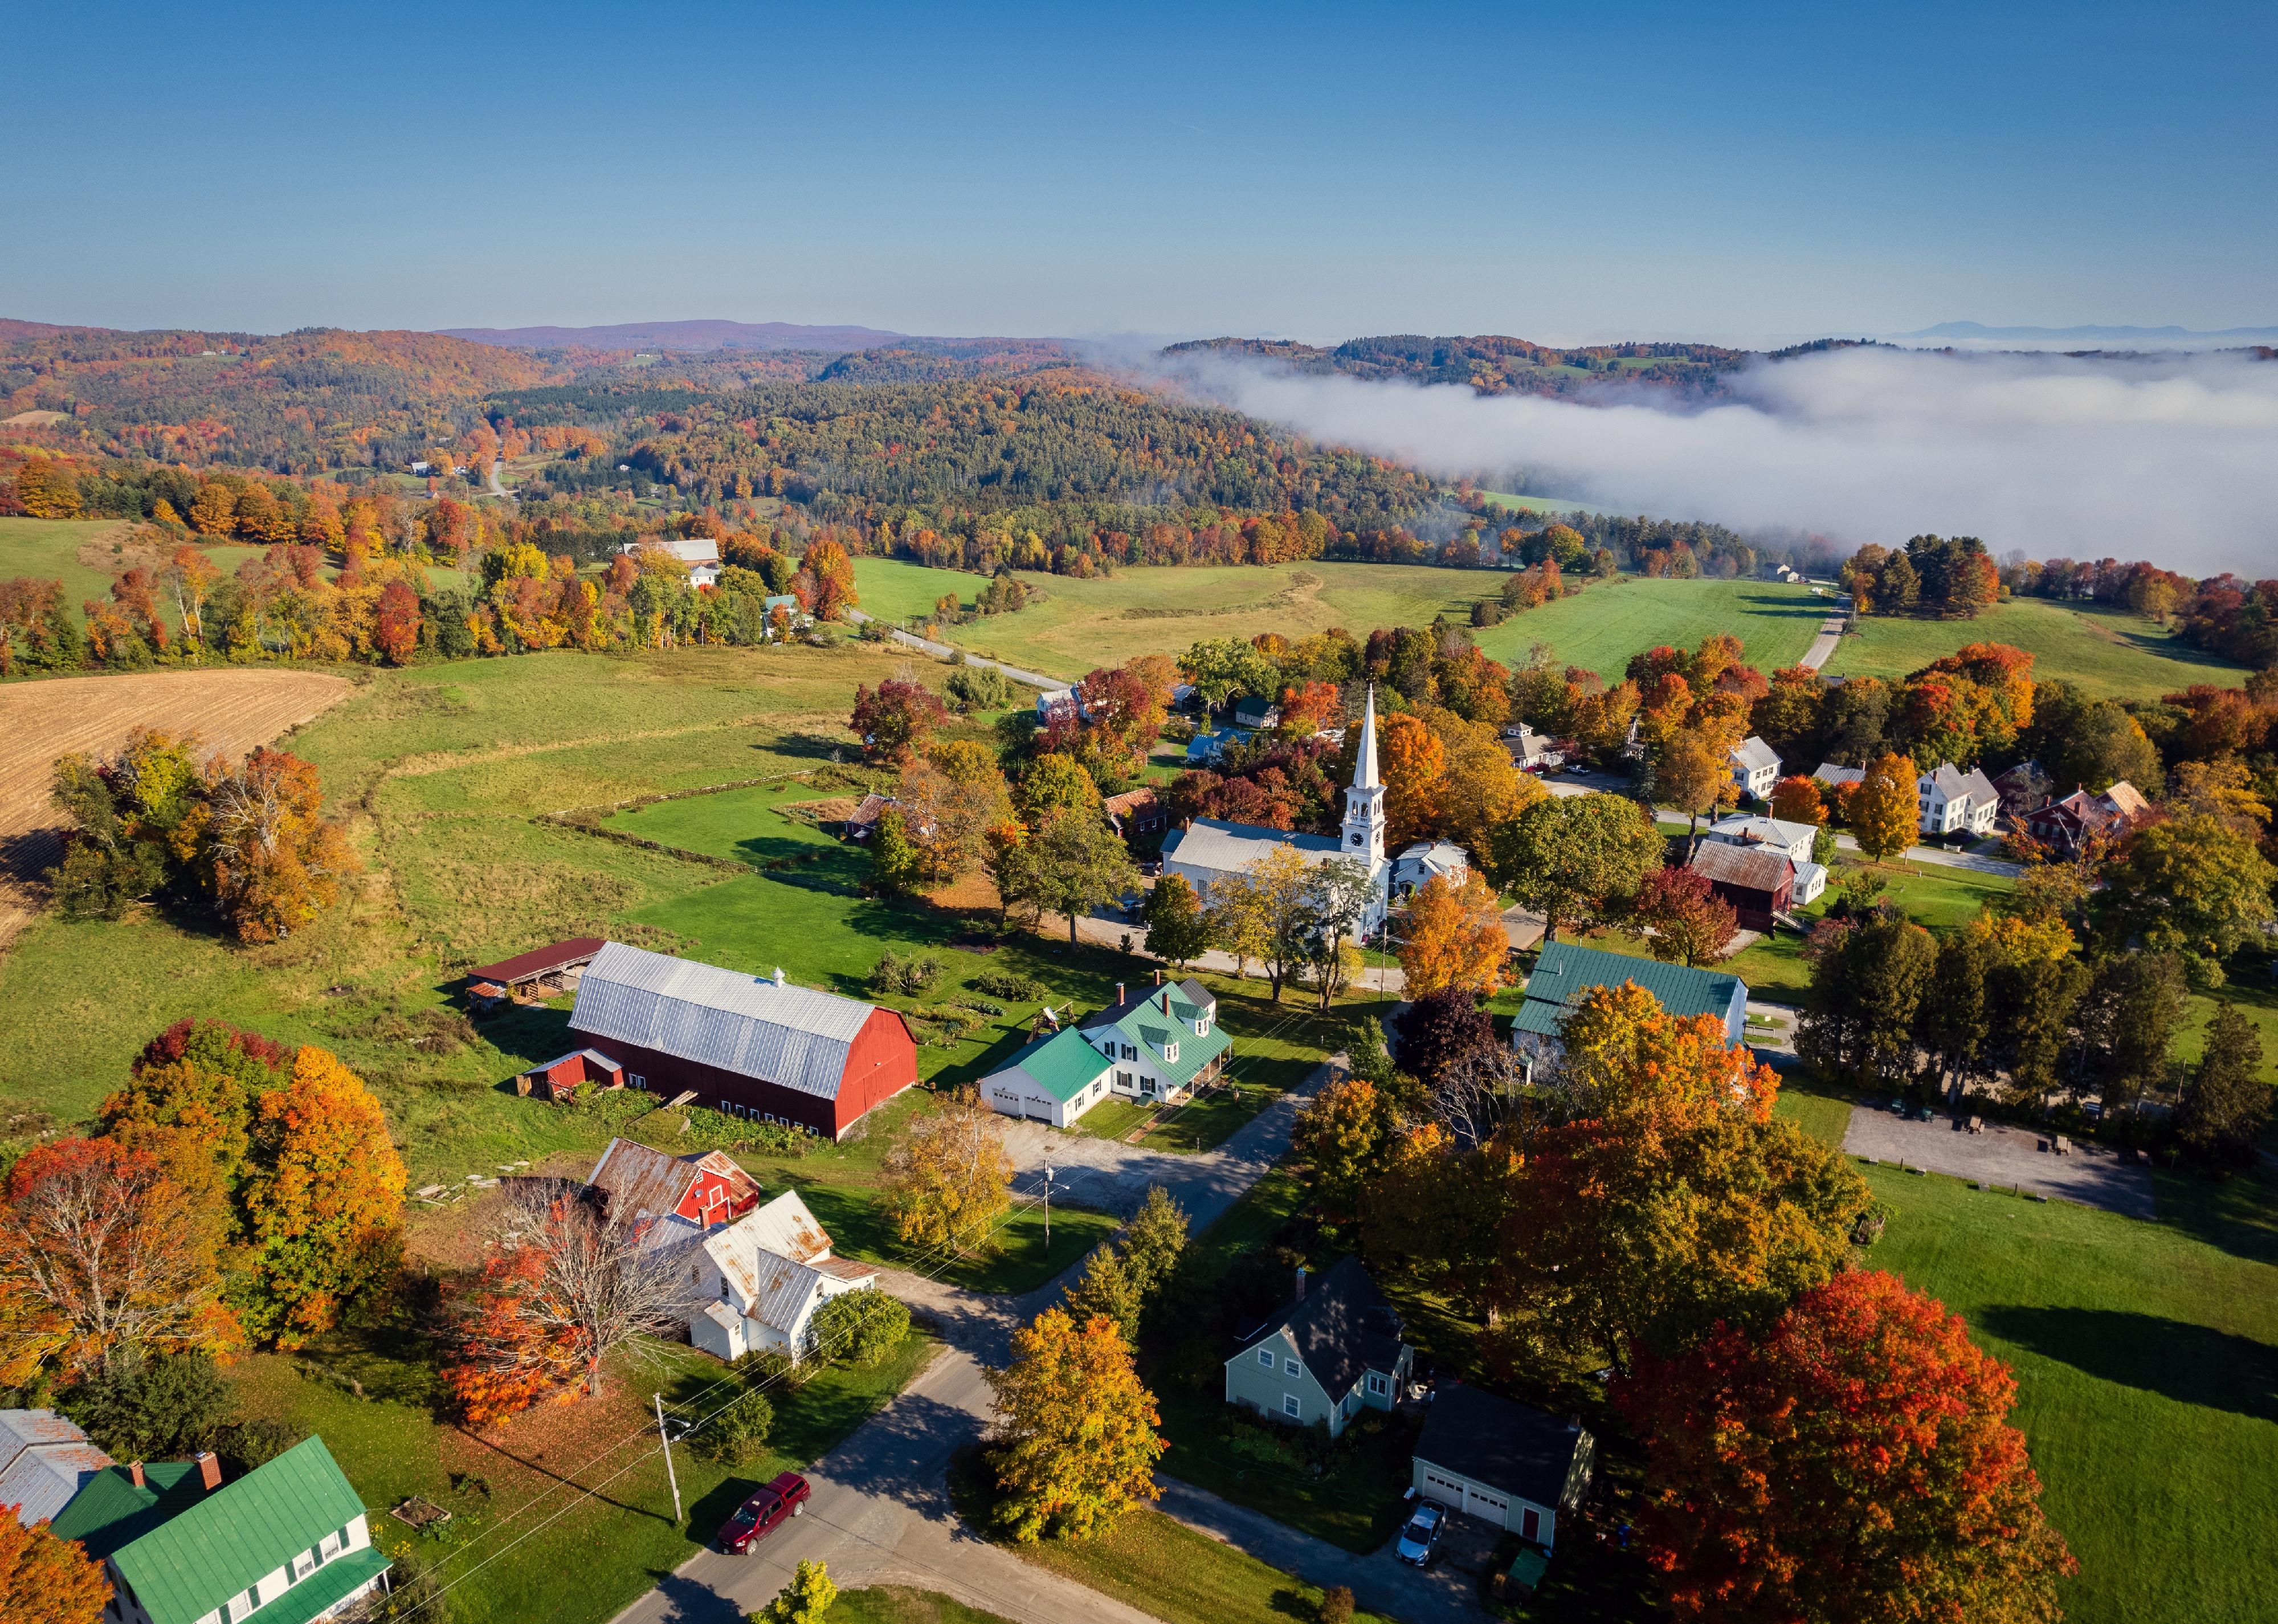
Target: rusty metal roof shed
540 961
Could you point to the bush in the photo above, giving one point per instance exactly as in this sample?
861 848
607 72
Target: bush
860 1328
246 1444
904 972
739 1435
151 1409
979 688
1336 1604
1013 985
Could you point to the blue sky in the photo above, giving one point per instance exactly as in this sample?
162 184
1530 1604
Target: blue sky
1554 172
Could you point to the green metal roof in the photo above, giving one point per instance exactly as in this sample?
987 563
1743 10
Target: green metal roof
1565 972
215 1546
1139 1021
110 1511
342 1576
1062 1065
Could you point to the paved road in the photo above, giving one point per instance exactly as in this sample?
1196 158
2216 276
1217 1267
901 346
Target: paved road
496 488
1822 646
943 651
880 1514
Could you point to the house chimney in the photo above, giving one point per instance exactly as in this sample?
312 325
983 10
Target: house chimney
209 1466
1158 978
1119 992
1301 1282
134 1471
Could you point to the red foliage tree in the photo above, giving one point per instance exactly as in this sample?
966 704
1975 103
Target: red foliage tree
395 623
1797 800
1854 1464
1691 924
893 718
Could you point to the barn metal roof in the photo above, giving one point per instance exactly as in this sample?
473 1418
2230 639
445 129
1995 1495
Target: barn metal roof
770 1029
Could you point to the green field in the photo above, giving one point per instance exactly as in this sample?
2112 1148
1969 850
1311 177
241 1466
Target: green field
895 1603
48 549
2107 651
1081 625
2145 1355
1602 626
1538 505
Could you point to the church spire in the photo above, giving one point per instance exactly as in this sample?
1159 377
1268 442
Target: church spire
1365 761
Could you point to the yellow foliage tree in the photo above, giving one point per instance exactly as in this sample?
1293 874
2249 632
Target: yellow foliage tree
1455 938
1414 766
947 1179
324 1205
1079 1429
1885 814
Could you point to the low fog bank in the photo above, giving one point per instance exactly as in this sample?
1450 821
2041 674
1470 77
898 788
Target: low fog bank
2168 457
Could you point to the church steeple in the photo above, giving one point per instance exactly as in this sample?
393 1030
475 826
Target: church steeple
1363 826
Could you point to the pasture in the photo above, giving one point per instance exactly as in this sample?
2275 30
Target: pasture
2109 652
1602 626
2145 1356
1080 625
87 555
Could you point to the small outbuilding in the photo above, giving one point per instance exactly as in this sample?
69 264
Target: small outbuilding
555 968
1758 881
1510 1464
558 1079
1056 1079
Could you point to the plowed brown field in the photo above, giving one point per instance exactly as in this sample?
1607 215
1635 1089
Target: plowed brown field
231 710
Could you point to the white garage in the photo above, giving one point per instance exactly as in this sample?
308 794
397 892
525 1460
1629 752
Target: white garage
1506 1464
1054 1080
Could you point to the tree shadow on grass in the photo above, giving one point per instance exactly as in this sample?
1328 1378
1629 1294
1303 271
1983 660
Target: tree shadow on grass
2191 1364
2238 1215
1768 603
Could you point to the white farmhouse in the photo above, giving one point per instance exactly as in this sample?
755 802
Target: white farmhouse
1951 800
766 1273
1756 767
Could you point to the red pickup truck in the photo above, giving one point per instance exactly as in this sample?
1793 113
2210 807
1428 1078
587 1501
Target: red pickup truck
757 1517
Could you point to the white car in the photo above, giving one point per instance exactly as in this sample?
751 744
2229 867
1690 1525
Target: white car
1421 1539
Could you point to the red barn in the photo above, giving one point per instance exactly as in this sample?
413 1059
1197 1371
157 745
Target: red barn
1758 881
703 1188
751 1046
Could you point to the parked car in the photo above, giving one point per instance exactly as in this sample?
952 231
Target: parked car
1419 1541
758 1517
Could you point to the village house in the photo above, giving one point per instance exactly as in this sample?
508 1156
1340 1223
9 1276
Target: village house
1796 841
755 1047
1566 973
1532 752
1952 802
765 1275
1420 863
701 553
1334 1352
1510 1464
1253 714
289 1541
2065 826
2023 789
1163 1044
1135 813
1209 851
1755 768
1054 1079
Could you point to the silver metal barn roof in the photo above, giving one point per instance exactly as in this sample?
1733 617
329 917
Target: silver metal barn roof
793 1036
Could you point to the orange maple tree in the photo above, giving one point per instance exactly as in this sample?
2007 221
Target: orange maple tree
1455 936
1855 1462
45 1580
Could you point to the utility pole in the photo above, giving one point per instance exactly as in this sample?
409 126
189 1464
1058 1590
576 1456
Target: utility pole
1048 1210
670 1475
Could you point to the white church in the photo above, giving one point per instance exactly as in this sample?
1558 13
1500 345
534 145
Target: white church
1208 850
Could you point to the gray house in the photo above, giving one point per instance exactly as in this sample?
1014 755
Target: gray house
1334 1350
1509 1463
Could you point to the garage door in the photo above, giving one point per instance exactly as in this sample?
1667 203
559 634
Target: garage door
1448 1491
1038 1110
1494 1507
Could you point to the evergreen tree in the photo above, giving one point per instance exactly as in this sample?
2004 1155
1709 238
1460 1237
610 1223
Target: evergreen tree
2226 1103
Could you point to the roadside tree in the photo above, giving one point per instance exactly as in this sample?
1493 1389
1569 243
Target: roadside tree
1883 811
1577 861
807 1599
1178 930
948 1178
1072 864
1077 1429
1455 938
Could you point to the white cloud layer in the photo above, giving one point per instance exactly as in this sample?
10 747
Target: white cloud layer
2172 458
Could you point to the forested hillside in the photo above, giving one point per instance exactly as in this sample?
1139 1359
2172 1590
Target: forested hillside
1489 363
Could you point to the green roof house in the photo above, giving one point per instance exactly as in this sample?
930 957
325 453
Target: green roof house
1162 1044
1054 1080
1565 972
285 1543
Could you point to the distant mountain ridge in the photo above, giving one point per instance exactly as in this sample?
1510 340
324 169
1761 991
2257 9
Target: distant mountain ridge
699 335
2087 334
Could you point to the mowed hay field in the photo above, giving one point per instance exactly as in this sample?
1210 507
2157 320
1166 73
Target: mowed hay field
2146 1360
2109 652
87 555
1080 625
1602 626
231 709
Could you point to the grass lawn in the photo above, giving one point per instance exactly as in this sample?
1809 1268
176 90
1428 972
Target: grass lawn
523 1542
893 590
2107 651
896 1604
2144 1354
1078 625
1600 627
1112 1118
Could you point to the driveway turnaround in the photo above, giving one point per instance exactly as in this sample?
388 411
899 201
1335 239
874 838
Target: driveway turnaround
2005 1157
880 1514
